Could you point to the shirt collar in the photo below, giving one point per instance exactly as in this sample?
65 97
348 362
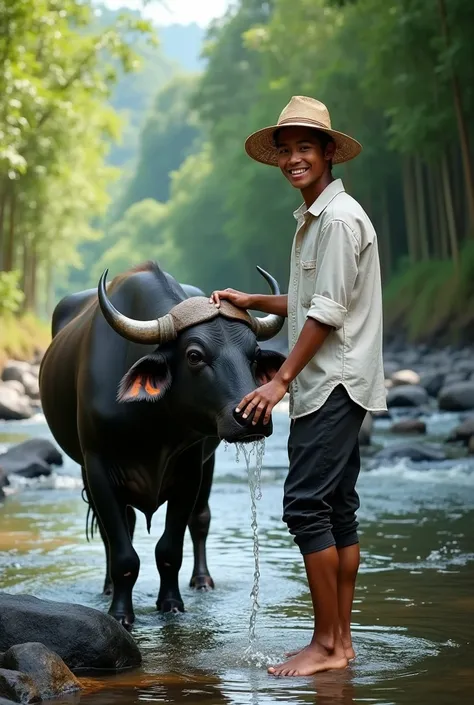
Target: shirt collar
323 200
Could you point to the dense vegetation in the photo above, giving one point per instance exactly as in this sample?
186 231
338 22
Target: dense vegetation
398 75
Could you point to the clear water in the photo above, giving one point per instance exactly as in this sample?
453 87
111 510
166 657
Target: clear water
413 614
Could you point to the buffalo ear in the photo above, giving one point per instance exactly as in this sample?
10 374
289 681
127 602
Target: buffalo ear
268 364
148 380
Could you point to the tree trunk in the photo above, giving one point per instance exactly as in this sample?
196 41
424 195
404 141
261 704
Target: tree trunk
443 225
49 281
9 261
461 120
448 201
3 201
410 217
385 239
435 224
420 199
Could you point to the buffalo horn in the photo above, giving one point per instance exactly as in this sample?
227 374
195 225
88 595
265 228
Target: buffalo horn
154 332
268 326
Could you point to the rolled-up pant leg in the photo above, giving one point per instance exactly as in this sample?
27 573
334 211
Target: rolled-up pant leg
320 447
345 503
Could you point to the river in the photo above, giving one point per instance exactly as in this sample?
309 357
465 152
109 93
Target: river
413 620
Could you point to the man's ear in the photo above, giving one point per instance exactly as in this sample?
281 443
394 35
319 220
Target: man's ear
330 151
268 364
148 380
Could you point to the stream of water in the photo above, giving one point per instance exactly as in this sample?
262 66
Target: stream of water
414 606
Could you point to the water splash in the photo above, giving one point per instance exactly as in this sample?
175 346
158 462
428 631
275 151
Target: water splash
254 470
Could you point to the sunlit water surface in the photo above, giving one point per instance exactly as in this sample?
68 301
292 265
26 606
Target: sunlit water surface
414 610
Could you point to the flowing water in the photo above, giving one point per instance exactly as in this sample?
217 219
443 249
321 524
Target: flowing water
413 616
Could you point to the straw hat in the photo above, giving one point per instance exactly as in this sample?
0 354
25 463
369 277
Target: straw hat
301 111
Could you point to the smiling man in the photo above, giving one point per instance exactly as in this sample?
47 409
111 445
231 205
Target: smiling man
334 369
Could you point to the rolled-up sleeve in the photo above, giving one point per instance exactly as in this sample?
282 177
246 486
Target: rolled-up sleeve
337 267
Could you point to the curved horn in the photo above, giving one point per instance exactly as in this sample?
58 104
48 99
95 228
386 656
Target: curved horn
154 332
268 326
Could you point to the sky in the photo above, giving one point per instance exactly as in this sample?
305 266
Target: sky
177 11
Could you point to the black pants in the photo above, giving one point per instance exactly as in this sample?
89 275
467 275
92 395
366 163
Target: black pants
320 501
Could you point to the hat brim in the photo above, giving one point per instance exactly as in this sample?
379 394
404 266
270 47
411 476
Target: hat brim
260 145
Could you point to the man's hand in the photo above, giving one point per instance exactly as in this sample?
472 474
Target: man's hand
238 298
263 400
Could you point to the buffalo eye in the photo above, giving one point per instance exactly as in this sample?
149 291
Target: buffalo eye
195 357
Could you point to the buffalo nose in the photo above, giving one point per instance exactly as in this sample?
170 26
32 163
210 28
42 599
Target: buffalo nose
240 419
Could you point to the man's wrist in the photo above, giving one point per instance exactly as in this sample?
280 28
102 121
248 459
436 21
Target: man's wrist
283 378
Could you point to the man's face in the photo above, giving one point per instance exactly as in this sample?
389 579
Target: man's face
301 157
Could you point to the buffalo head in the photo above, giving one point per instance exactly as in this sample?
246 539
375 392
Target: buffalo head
207 360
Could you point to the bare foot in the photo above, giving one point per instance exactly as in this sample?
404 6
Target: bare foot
349 651
312 659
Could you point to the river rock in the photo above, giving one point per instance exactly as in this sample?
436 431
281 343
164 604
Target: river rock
463 432
48 672
390 368
454 377
3 481
6 702
16 385
457 397
13 405
31 384
407 395
83 637
365 433
19 687
412 426
402 377
413 451
31 458
432 381
14 370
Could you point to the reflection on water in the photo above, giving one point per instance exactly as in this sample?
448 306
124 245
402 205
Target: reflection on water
414 608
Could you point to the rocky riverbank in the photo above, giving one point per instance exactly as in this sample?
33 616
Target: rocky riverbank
19 390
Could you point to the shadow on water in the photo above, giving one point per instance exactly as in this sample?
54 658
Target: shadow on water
413 613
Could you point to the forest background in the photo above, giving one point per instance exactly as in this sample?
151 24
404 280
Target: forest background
120 143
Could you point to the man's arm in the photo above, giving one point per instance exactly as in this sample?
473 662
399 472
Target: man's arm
312 336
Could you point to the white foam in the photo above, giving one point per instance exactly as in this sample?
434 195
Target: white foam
461 473
50 482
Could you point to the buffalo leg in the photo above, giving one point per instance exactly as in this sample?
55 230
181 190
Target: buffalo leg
107 589
199 529
124 563
131 520
169 549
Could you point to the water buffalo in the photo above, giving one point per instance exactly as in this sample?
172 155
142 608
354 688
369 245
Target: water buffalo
141 399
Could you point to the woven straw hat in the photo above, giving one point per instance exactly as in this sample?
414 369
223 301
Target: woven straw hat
301 111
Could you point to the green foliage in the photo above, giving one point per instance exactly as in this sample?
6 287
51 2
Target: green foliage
169 135
55 126
432 299
11 296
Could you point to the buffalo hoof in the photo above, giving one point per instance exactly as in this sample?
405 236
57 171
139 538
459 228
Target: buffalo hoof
126 620
170 605
202 582
108 589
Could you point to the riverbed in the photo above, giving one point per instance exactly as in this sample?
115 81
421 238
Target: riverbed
413 616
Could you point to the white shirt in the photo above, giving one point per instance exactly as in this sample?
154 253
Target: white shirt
335 278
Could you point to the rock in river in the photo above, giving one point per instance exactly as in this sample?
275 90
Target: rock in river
31 458
407 395
83 637
457 397
18 686
48 672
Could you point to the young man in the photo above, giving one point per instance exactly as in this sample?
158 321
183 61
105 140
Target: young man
334 369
